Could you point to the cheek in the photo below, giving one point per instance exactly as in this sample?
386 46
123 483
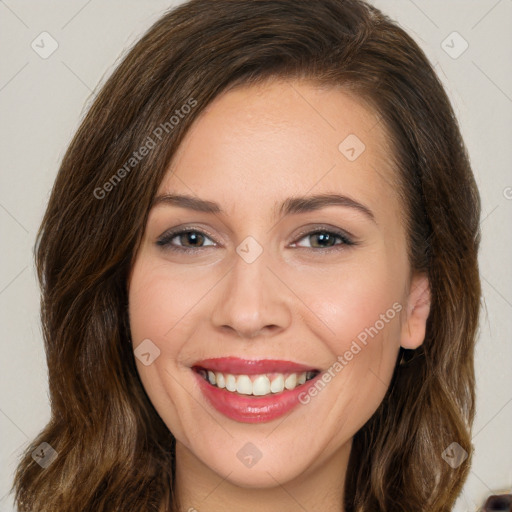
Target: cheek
158 321
360 301
160 307
355 311
159 311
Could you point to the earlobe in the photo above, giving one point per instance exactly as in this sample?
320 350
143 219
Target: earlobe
417 311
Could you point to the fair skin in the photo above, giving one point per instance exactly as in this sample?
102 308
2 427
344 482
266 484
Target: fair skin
300 300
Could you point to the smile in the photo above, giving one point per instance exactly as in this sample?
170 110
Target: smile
253 391
256 385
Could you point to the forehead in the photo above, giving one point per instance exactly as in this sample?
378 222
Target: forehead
257 145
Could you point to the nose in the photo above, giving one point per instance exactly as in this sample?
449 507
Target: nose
254 299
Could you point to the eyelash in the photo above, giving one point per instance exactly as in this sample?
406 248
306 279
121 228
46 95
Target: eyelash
165 240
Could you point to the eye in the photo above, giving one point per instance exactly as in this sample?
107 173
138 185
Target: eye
185 237
326 239
190 240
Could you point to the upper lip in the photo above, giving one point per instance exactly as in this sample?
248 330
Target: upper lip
251 366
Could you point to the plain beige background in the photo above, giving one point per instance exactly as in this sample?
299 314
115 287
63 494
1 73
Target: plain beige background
43 99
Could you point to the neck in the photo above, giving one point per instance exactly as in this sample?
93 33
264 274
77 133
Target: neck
200 489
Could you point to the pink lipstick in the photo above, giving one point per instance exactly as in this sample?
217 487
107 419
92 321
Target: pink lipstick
253 391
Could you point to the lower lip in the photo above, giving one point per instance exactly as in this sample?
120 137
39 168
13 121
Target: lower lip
251 409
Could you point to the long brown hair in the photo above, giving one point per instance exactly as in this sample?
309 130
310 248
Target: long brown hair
114 451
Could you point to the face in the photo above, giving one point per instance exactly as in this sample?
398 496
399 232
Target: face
265 290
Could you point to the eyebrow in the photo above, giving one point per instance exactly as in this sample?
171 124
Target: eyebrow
292 205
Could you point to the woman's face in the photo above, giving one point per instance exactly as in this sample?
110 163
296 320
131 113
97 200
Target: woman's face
306 285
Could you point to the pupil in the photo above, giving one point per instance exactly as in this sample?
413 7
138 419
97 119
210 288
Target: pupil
191 236
323 236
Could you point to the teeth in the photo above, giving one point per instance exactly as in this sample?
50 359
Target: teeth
221 382
261 385
244 385
291 381
230 382
257 385
277 385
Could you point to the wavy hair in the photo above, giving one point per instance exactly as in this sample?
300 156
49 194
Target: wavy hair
114 452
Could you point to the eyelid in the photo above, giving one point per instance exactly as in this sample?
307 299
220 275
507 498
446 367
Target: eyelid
173 232
311 229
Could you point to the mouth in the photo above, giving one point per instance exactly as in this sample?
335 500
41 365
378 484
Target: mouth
253 391
262 384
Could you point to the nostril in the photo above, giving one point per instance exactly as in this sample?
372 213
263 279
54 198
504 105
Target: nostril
498 503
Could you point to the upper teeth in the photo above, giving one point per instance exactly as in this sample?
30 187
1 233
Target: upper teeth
259 385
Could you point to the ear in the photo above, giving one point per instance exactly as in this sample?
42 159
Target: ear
416 314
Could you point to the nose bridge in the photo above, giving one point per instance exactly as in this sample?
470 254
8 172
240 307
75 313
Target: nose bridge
252 299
